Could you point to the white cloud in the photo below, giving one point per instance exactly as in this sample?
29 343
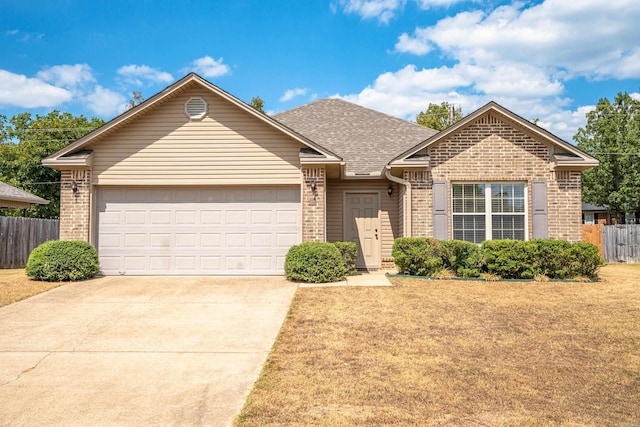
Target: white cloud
26 92
383 10
292 93
135 74
68 76
526 91
573 38
209 67
105 102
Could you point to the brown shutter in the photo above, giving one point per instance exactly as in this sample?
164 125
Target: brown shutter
440 210
539 209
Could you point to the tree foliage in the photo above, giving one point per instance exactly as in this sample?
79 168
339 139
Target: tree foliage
257 103
439 117
25 141
136 98
612 135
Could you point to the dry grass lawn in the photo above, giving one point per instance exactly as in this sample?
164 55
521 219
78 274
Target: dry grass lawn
16 286
457 353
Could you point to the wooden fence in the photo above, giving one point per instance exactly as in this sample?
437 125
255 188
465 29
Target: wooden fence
19 236
617 243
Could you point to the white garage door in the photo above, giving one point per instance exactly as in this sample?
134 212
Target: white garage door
197 231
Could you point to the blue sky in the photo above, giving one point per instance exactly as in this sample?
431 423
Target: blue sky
545 59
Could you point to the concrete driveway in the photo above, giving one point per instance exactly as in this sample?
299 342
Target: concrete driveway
138 351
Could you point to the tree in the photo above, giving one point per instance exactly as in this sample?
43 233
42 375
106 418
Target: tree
136 98
439 117
257 103
612 135
25 141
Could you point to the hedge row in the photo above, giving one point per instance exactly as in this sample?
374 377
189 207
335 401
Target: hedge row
321 262
507 259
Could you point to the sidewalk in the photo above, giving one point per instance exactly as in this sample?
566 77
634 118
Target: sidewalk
363 278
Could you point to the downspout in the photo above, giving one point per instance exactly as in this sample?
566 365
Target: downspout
406 202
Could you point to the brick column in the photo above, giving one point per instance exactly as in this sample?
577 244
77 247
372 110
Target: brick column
75 208
314 204
421 202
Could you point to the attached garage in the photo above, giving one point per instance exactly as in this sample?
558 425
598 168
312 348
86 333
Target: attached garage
196 230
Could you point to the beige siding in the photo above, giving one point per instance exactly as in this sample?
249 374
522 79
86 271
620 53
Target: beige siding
388 211
229 146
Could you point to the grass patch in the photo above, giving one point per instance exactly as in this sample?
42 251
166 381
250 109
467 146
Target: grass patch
457 353
16 286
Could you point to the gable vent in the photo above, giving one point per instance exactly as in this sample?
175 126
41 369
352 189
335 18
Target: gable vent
195 108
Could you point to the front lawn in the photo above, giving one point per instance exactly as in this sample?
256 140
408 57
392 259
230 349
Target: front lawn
16 286
457 353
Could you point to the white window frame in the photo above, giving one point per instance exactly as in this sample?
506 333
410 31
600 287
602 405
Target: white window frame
488 213
589 218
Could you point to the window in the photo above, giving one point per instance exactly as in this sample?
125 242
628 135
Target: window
589 218
489 211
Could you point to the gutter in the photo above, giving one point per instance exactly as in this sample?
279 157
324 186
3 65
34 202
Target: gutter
406 202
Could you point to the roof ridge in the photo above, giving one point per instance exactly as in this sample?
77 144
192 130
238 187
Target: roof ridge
371 110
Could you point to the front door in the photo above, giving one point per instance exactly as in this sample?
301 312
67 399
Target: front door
362 225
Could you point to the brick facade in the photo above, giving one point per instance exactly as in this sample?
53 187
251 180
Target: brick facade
314 204
421 202
75 205
493 149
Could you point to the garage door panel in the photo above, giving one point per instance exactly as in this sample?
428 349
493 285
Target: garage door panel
203 231
211 217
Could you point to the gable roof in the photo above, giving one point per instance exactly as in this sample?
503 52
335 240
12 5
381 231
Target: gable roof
12 197
73 155
571 156
364 138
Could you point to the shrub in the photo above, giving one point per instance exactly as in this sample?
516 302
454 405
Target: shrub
509 259
63 260
417 256
314 262
550 258
349 252
586 260
461 257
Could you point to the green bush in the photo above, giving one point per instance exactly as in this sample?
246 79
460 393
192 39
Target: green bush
463 258
586 260
550 257
509 259
349 252
314 262
417 256
63 260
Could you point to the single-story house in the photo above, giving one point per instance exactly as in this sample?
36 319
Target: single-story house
15 198
195 181
592 214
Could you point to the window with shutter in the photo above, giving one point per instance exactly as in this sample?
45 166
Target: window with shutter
489 211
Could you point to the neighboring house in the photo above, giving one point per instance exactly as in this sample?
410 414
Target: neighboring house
14 198
195 181
596 215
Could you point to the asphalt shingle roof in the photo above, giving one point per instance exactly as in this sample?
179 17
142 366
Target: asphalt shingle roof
8 192
366 139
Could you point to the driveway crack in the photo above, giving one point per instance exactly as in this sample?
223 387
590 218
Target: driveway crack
26 370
